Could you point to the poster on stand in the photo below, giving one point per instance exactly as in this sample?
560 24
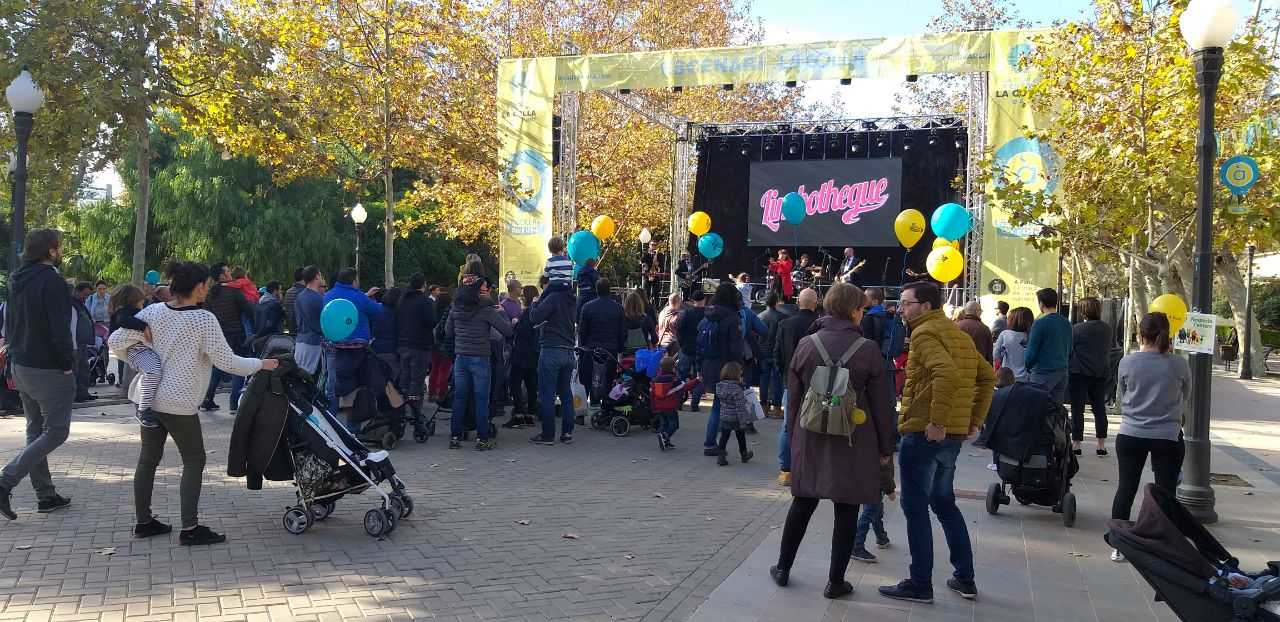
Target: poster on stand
1197 334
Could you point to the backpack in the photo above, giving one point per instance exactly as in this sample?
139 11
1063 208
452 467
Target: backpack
830 404
635 339
708 338
892 336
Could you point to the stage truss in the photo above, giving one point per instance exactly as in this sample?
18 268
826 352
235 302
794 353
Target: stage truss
687 134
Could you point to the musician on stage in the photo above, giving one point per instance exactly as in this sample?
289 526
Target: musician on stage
850 267
780 268
688 275
653 265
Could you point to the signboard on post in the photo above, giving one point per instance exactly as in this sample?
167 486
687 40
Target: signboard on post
1197 334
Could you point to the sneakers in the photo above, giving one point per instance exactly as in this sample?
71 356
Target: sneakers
210 407
455 443
52 505
780 576
5 509
711 452
836 590
566 439
151 528
1116 555
863 555
784 478
882 542
722 458
200 536
542 440
146 419
235 411
748 456
484 444
909 591
966 589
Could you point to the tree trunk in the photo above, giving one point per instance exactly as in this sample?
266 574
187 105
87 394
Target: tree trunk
1185 271
142 199
1230 273
388 257
68 198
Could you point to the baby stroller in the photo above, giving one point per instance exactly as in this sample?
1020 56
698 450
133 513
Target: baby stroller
379 413
324 460
1189 570
1031 440
98 357
628 402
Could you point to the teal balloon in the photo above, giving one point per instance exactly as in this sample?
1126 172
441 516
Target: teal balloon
152 277
793 210
951 221
583 245
710 245
338 319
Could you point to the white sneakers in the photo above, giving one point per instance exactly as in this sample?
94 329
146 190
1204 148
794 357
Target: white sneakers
1116 556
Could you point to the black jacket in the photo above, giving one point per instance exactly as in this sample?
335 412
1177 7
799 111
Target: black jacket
730 345
552 316
790 332
126 318
1090 349
229 305
416 321
268 316
84 324
258 446
1022 418
290 295
601 325
772 318
38 319
687 329
524 347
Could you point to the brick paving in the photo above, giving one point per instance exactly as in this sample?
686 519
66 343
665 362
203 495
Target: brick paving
699 551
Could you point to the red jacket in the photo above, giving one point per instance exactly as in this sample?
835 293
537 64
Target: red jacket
664 399
782 268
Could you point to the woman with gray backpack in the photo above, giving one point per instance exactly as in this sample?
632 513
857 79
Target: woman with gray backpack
842 434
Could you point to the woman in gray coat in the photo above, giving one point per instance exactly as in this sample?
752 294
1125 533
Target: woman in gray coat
825 466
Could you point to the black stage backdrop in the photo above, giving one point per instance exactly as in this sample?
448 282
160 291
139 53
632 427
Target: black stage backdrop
848 202
723 190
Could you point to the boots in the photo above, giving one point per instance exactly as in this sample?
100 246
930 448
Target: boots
722 458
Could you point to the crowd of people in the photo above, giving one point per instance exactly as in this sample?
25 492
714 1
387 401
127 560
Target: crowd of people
911 379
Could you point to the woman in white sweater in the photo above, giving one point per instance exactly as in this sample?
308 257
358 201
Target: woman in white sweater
189 341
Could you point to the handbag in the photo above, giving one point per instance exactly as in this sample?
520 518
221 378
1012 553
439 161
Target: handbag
752 399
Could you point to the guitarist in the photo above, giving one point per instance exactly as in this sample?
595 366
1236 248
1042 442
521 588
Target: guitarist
850 267
653 265
688 275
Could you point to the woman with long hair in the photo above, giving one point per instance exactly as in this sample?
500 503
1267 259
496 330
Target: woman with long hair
1011 345
442 355
1090 369
1152 387
641 330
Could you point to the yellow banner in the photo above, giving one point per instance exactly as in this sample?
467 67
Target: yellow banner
526 92
1013 270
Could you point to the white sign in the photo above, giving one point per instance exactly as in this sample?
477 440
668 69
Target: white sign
1197 333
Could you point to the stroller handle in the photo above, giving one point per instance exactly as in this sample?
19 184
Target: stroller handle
600 355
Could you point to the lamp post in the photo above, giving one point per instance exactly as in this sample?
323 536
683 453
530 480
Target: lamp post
645 237
25 98
1207 26
358 216
1246 362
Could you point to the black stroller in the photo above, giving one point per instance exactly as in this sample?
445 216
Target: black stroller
1189 569
1031 440
378 413
628 402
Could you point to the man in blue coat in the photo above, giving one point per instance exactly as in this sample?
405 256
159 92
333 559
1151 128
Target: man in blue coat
346 358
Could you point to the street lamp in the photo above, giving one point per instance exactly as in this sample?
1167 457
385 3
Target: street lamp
1207 26
358 216
1246 363
645 238
25 98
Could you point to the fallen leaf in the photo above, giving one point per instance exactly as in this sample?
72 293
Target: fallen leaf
628 557
434 466
710 518
457 469
659 495
1248 493
570 536
512 460
111 550
22 547
1075 554
522 522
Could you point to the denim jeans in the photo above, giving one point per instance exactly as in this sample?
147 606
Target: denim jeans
784 439
471 375
687 369
555 373
237 387
770 378
872 517
1055 382
668 423
713 426
928 473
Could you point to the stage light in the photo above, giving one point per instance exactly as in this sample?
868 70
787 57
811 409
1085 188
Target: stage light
833 144
911 77
727 87
933 139
791 84
769 147
813 146
908 143
677 89
880 143
846 81
959 142
853 147
745 150
624 91
793 148
722 147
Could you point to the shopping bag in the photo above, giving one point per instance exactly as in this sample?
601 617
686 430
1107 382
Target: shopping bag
579 398
753 402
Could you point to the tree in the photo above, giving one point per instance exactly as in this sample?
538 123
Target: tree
1121 92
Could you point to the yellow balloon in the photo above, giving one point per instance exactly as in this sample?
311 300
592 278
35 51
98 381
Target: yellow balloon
945 264
859 417
941 242
909 226
699 223
604 227
1172 306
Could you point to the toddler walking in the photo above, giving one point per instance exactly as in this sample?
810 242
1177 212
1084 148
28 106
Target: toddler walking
126 302
872 517
668 394
734 412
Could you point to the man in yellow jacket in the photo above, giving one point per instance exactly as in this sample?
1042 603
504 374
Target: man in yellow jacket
948 390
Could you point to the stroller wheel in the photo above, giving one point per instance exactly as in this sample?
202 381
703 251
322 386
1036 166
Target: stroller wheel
994 493
389 440
619 426
1069 509
376 523
420 436
296 520
111 378
321 510
431 427
397 507
406 505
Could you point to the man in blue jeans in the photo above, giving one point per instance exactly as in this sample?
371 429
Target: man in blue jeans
946 397
553 315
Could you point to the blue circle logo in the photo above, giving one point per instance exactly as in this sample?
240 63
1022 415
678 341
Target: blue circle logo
1239 174
1028 161
1017 53
528 179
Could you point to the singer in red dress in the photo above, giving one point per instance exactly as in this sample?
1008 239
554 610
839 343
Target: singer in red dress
780 268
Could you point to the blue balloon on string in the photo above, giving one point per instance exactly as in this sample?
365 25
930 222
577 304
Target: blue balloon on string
152 277
793 209
583 245
710 245
951 221
338 319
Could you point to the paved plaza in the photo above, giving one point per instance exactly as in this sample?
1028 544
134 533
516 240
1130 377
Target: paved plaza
655 536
